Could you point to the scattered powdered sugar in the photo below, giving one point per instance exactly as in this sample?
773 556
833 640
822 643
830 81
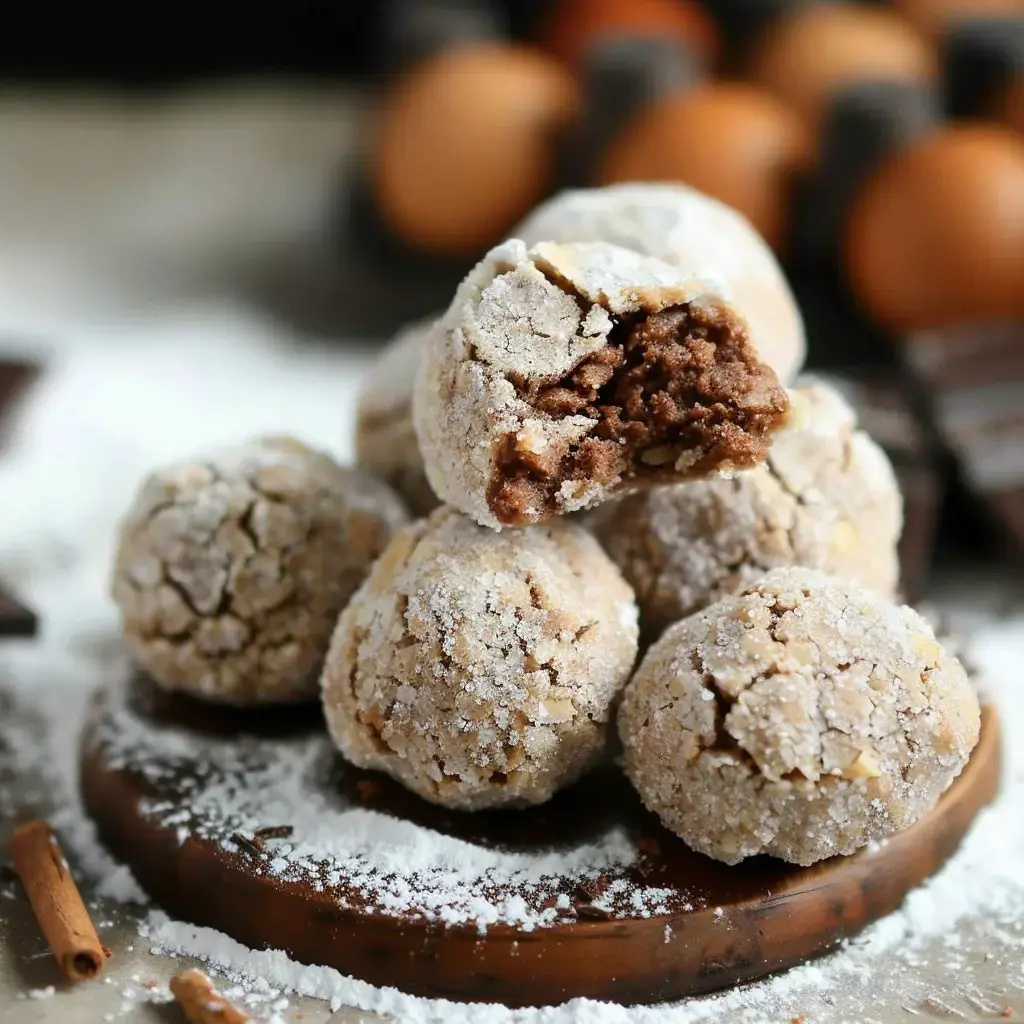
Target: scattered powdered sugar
358 856
92 448
38 993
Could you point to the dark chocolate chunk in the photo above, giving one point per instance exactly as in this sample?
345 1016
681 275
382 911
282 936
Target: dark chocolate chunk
621 77
15 377
864 123
414 29
885 411
743 21
15 619
973 375
980 57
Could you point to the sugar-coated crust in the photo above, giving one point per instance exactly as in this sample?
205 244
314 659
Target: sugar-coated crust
802 718
692 231
825 498
231 570
479 668
386 442
525 318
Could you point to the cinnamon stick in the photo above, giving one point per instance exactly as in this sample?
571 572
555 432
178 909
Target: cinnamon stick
200 1001
56 902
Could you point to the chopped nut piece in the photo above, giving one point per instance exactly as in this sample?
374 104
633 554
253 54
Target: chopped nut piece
866 766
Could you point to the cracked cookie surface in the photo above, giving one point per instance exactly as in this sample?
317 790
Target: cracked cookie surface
386 442
690 230
230 572
802 718
479 668
825 498
562 375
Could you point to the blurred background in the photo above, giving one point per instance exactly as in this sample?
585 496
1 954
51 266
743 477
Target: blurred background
315 175
344 164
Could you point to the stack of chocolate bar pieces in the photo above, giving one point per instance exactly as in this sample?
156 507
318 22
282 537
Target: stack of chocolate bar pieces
950 417
971 379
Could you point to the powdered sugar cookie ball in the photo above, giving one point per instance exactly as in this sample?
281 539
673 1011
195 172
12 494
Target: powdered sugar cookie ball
825 498
692 231
231 570
385 439
563 374
479 668
802 718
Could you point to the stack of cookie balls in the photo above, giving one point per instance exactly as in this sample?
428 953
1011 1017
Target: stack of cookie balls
605 442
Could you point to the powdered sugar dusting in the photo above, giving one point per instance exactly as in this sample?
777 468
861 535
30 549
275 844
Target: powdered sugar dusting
87 442
479 668
357 856
694 232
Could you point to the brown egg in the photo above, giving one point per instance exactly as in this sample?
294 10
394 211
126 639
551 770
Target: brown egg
806 56
464 146
932 16
937 235
574 25
733 141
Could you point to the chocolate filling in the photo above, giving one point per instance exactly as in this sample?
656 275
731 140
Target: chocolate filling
685 380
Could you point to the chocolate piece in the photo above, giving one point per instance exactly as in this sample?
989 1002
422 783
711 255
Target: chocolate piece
885 412
980 57
15 619
621 76
414 29
974 377
15 376
864 123
743 21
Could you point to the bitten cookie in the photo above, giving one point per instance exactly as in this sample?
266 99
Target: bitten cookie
825 498
563 374
385 439
231 571
802 718
479 668
698 234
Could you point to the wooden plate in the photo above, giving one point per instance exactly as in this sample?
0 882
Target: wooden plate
706 927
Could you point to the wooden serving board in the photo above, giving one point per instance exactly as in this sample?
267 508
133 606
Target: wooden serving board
714 926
